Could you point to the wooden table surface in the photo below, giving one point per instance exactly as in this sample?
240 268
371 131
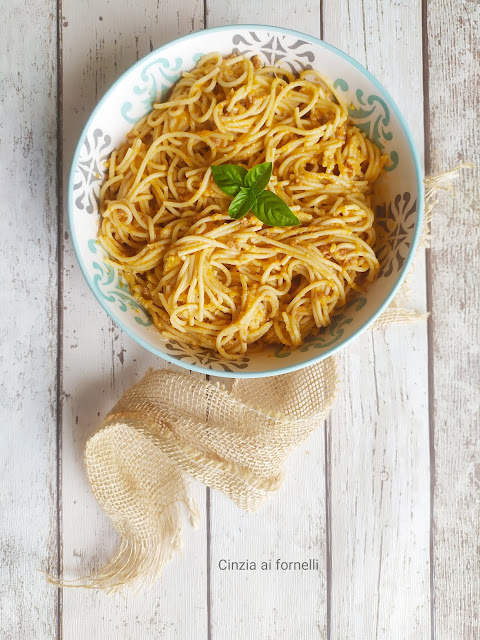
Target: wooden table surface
385 496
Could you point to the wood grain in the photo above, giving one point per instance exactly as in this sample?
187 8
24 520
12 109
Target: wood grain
357 497
100 41
453 136
28 319
260 604
378 432
304 15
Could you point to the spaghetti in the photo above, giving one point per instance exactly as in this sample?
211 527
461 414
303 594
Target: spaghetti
232 285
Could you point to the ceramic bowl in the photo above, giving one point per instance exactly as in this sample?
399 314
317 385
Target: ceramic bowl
398 198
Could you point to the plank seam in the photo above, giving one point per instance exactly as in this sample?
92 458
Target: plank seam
321 19
209 561
328 521
59 408
429 292
364 33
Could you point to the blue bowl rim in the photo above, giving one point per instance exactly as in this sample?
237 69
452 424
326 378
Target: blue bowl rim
406 265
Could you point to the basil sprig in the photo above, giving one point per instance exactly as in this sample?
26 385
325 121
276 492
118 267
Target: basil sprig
248 189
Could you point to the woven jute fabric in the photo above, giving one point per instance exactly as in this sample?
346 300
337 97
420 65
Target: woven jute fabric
173 427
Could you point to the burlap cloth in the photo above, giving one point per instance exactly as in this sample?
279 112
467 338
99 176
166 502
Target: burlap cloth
172 427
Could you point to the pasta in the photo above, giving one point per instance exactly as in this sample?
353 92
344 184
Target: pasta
232 285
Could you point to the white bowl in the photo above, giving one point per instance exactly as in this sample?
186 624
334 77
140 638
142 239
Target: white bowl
399 195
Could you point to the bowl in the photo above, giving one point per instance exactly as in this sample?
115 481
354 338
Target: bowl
398 193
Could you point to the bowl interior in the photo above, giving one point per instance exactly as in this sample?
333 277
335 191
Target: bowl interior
398 196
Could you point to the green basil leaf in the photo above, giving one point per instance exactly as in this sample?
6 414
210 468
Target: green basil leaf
242 203
258 177
272 210
229 177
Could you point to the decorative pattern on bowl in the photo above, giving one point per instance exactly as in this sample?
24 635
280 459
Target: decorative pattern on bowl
398 208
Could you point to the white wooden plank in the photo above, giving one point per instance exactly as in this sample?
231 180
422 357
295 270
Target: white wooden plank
273 603
28 327
453 135
303 15
379 426
291 526
100 41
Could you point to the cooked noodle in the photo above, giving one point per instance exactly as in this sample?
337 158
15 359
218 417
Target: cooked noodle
225 284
